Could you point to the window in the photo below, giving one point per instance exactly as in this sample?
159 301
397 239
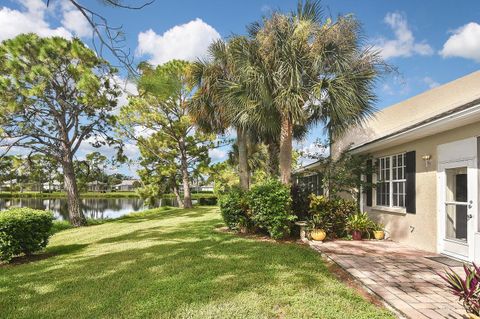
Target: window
391 181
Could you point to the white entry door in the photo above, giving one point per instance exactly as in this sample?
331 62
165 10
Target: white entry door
457 208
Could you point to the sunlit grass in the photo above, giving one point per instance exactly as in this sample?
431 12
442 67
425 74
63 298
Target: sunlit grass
170 263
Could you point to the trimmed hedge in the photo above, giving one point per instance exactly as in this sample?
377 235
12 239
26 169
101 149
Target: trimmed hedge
23 231
207 201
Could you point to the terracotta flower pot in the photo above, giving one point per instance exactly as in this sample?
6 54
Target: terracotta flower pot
318 234
356 235
379 234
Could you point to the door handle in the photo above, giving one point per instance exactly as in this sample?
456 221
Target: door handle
469 216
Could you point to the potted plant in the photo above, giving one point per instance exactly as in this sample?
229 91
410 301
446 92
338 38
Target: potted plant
378 231
466 289
317 228
357 224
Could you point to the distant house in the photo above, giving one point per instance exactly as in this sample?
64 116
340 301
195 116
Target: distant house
8 185
203 188
128 185
97 186
52 186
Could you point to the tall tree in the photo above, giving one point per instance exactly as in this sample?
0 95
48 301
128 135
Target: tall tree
223 101
159 121
54 95
309 70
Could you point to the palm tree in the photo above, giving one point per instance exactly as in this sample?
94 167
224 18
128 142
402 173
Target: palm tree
222 101
305 71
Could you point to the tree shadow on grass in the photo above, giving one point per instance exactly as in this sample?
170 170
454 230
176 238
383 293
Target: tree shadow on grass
178 271
50 252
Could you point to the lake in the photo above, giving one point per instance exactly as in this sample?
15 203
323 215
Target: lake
95 208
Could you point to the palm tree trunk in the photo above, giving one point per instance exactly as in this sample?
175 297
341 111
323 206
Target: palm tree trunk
243 173
273 153
285 156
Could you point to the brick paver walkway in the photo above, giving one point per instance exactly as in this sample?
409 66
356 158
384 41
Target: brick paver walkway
400 275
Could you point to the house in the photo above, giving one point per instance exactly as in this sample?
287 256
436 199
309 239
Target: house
97 186
52 186
309 178
203 188
127 185
8 185
426 153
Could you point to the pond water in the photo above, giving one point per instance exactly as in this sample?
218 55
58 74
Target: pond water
95 208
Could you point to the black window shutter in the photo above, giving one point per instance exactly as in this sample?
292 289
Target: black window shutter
369 183
410 172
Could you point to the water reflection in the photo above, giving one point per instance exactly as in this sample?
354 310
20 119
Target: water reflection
95 208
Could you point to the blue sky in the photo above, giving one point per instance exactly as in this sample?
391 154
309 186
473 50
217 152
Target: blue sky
430 42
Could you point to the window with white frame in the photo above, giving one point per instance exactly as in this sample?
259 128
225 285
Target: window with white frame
391 181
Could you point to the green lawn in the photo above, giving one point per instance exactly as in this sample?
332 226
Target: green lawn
169 263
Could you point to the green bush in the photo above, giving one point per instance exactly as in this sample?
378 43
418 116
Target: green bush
270 204
234 207
23 231
207 201
333 213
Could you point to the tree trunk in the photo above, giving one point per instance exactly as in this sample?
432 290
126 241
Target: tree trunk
285 156
177 195
242 140
73 198
273 158
187 195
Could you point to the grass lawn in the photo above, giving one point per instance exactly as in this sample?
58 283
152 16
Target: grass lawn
171 263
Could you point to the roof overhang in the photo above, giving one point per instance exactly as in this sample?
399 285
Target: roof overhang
458 117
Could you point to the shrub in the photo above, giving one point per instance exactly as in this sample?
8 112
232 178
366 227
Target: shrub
360 222
270 204
300 200
234 207
23 230
466 289
333 213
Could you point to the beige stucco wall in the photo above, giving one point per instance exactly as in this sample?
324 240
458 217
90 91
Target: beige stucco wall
420 230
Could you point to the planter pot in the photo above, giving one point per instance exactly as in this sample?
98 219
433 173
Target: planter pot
472 316
379 234
318 234
356 235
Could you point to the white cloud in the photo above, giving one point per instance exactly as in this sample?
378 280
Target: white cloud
430 82
30 18
404 43
127 88
187 42
33 17
464 43
217 154
74 21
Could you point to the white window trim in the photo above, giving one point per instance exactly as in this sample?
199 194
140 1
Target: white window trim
390 207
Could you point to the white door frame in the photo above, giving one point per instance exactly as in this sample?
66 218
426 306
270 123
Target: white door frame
458 154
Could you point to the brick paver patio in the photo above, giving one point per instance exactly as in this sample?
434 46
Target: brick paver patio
399 275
